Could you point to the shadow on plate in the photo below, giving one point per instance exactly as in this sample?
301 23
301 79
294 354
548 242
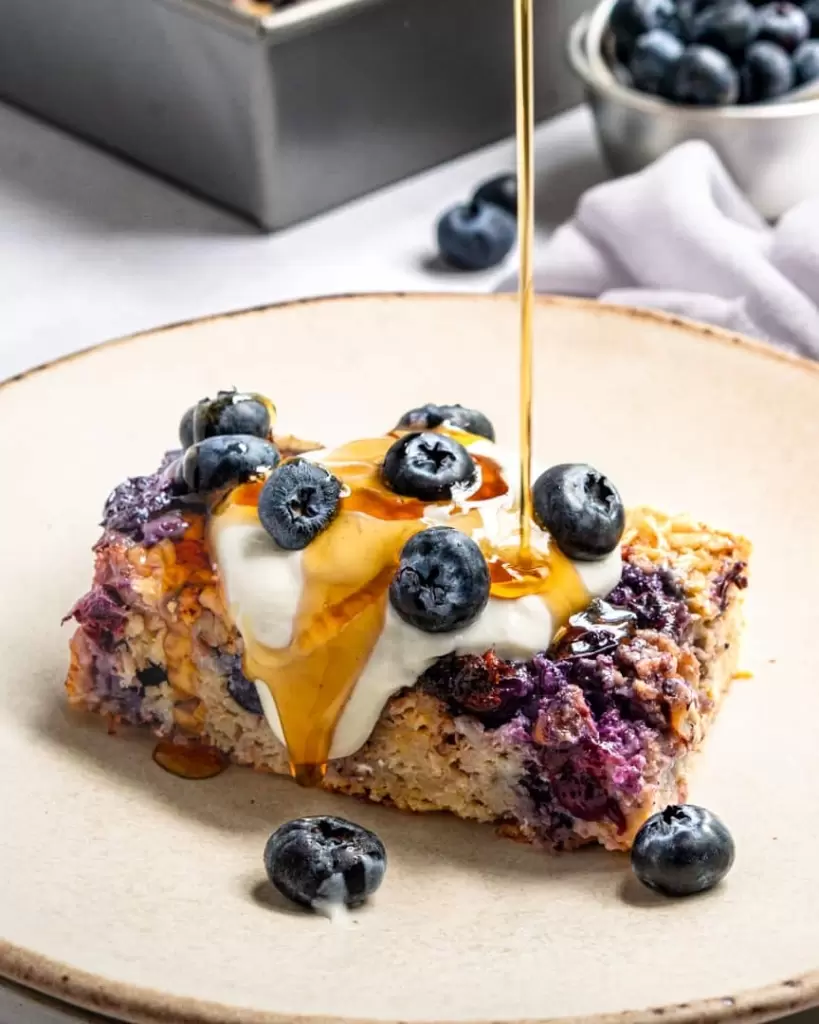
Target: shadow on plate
243 802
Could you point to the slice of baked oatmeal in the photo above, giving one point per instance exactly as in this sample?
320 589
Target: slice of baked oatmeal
581 743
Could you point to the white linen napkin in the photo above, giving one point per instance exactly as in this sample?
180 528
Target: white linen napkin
680 236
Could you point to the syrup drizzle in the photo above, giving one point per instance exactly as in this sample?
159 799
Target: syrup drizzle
525 106
346 573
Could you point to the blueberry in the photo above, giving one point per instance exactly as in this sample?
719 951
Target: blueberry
152 675
324 862
631 19
806 62
682 850
233 412
427 466
244 691
582 510
442 582
729 26
430 416
186 428
297 502
784 24
768 71
221 462
653 59
811 11
501 191
476 236
704 77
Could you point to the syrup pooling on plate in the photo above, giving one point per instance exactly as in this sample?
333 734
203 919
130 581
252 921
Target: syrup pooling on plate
321 640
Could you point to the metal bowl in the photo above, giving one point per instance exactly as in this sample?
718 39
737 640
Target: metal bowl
771 150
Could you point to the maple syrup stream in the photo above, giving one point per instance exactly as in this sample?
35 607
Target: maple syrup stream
525 106
311 696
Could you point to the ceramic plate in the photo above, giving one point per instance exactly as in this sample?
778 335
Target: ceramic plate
134 893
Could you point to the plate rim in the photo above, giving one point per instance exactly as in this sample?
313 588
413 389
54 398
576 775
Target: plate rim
127 1002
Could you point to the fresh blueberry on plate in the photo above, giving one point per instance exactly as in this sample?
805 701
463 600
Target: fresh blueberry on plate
728 25
233 412
766 72
784 24
430 416
325 862
442 583
501 191
806 62
427 466
682 850
227 461
581 508
298 502
653 59
476 236
631 19
704 77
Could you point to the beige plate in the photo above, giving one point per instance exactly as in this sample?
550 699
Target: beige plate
129 891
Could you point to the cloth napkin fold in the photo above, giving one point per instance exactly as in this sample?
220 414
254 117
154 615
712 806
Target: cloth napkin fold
681 237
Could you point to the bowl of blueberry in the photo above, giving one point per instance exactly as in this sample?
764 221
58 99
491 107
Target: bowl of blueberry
740 74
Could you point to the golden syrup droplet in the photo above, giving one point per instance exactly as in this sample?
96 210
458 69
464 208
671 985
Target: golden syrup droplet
189 760
308 775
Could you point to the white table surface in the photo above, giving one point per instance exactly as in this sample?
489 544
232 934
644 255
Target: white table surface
92 248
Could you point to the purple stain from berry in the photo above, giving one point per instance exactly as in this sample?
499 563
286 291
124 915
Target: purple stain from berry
102 614
490 689
656 599
139 501
242 689
586 721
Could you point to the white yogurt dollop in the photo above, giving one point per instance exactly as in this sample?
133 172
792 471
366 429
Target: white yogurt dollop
263 586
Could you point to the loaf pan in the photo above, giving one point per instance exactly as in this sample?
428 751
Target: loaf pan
287 114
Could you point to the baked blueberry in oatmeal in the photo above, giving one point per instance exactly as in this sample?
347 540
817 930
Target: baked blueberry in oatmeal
558 701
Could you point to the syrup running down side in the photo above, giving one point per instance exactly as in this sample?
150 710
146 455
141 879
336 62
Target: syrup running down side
322 641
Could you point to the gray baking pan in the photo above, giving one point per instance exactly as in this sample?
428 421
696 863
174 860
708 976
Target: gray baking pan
282 116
